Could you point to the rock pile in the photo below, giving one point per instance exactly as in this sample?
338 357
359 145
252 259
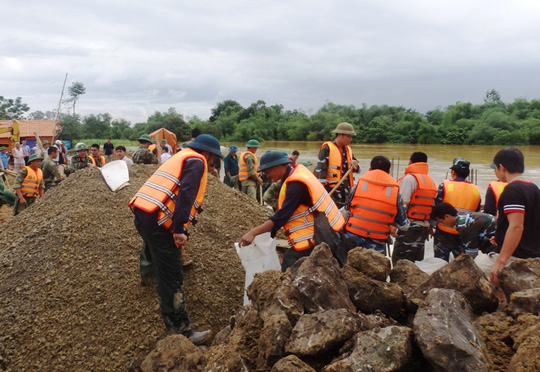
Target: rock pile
319 317
70 294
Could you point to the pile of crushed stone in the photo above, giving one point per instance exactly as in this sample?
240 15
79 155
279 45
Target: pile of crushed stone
70 293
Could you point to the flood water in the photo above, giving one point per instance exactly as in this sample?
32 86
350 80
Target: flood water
439 157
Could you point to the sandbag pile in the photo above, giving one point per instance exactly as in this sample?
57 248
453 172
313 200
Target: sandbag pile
70 294
320 317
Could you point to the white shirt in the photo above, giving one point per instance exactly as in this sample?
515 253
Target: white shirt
165 156
127 160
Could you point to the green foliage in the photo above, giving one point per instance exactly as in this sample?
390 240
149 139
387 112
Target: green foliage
12 108
76 90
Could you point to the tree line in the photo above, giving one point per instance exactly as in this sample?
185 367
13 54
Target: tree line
492 122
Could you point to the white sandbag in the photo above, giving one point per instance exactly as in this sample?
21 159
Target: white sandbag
431 264
116 174
257 257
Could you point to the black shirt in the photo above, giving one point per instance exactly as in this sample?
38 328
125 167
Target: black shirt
521 197
192 172
108 147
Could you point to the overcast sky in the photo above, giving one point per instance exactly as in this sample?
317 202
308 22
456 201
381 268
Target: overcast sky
138 57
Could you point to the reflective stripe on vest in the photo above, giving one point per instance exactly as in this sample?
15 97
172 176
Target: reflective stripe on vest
497 187
423 198
463 195
335 166
30 184
161 189
101 159
374 205
300 228
242 170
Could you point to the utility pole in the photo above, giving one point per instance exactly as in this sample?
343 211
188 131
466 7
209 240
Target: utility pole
58 108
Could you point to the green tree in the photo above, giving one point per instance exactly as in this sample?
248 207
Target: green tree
12 108
170 120
76 90
96 126
71 128
120 129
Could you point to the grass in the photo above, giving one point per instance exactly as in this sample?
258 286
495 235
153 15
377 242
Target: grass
116 142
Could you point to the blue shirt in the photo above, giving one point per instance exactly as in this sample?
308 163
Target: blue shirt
231 164
4 159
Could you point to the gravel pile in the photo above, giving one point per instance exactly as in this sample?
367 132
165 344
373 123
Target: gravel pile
70 294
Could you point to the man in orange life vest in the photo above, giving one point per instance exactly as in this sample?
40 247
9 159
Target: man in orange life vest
462 195
300 198
97 160
493 193
335 159
247 174
164 207
418 192
375 207
28 184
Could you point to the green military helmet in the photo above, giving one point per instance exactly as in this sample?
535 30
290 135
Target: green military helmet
2 148
34 157
7 196
253 143
272 158
80 146
45 142
344 128
163 141
206 142
144 138
460 164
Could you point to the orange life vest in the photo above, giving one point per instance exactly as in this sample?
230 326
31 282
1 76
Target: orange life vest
161 189
101 159
152 147
423 198
243 171
374 205
497 187
463 195
31 183
335 166
300 227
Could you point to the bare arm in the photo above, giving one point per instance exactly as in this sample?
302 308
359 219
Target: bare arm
511 241
248 238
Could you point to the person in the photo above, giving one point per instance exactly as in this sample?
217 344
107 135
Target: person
121 155
51 175
97 160
247 174
334 160
46 144
375 207
195 132
301 197
108 148
217 166
165 154
62 158
81 160
294 158
493 194
163 143
462 195
3 162
18 157
271 195
230 163
418 193
475 229
518 222
143 155
28 184
26 150
164 207
6 196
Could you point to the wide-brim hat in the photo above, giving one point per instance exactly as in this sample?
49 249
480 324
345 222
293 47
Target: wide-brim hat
206 142
253 143
344 128
34 157
460 164
233 148
272 158
46 142
164 141
80 146
144 138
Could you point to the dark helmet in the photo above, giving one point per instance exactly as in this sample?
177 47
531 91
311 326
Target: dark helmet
460 164
206 142
272 158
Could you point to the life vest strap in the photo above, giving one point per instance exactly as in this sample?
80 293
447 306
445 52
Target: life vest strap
369 231
372 209
370 220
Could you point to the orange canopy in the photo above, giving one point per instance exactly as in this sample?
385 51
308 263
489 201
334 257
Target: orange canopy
163 133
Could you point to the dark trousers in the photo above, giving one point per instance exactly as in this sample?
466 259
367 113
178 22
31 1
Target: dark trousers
291 255
161 256
410 244
18 207
444 243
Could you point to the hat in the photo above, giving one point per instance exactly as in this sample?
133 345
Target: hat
164 141
144 138
46 142
206 142
344 128
58 142
233 148
272 158
34 157
80 146
253 143
460 164
2 148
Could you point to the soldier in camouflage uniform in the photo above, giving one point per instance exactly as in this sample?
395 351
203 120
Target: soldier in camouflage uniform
475 229
143 155
81 160
271 195
22 182
51 175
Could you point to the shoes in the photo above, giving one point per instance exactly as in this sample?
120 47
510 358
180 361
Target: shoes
187 262
200 338
146 280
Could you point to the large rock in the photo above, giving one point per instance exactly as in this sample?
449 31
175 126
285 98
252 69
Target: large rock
317 333
262 288
318 283
174 353
446 334
275 333
291 363
527 357
387 349
370 295
520 275
527 301
464 276
407 275
370 262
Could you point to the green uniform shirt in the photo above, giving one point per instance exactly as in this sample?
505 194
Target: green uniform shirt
21 175
250 164
144 156
271 195
78 163
475 228
50 171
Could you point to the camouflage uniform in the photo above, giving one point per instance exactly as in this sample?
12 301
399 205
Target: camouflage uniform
50 173
144 156
475 230
271 195
78 163
249 186
342 193
18 208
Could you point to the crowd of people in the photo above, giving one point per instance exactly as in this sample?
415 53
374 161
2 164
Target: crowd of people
324 205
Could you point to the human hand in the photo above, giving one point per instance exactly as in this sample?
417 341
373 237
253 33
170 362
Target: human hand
492 241
393 231
247 239
22 201
493 275
355 165
259 180
180 240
